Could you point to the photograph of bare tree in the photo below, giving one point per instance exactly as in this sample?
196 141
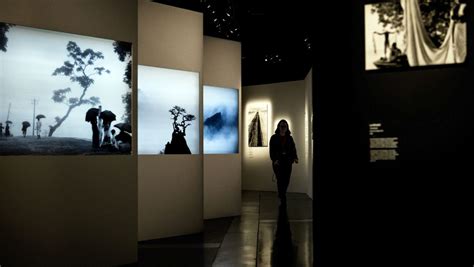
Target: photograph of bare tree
63 94
412 33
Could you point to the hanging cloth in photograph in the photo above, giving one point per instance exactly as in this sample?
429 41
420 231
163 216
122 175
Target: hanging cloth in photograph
420 49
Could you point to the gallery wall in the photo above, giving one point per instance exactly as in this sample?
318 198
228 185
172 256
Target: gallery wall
418 201
284 101
70 210
222 172
172 38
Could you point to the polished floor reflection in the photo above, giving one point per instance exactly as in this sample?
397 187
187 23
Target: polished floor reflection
285 232
266 234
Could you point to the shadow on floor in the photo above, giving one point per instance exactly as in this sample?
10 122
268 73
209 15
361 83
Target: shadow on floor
265 234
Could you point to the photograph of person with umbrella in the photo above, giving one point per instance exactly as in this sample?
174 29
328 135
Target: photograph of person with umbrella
38 125
92 117
124 138
24 127
107 117
73 77
103 136
7 128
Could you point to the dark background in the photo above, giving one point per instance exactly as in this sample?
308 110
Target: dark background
276 36
416 210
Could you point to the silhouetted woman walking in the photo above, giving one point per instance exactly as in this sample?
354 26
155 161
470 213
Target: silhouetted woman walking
283 155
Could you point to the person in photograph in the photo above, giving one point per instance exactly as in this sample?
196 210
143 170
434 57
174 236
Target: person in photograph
395 52
386 35
100 125
7 130
113 141
38 129
95 133
283 154
23 130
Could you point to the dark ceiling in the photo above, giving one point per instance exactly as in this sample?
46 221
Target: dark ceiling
276 36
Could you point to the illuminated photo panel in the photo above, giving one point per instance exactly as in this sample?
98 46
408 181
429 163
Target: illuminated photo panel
63 94
412 33
258 127
168 111
221 120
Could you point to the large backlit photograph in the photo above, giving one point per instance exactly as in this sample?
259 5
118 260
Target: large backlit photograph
168 111
258 127
221 120
412 33
63 94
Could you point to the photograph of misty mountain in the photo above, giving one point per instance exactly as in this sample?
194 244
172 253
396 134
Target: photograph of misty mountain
221 120
63 94
258 127
412 33
168 111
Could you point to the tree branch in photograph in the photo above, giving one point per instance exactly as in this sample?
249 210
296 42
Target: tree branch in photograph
4 28
180 127
77 71
124 52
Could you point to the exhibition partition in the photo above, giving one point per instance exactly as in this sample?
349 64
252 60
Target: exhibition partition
57 208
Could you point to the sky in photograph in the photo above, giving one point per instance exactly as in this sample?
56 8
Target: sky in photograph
26 74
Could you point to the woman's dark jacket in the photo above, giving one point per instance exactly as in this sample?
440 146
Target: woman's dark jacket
283 152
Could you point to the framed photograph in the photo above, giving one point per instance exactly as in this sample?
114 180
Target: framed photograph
168 111
221 120
258 127
63 94
404 34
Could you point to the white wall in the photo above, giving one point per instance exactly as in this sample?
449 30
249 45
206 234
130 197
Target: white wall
309 131
222 173
70 210
285 101
170 187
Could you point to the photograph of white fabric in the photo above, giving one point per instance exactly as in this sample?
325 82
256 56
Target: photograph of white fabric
413 36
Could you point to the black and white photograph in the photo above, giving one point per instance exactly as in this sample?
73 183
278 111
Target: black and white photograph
63 94
412 33
221 120
258 127
168 111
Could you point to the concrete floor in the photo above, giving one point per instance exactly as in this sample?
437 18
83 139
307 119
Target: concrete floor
264 235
